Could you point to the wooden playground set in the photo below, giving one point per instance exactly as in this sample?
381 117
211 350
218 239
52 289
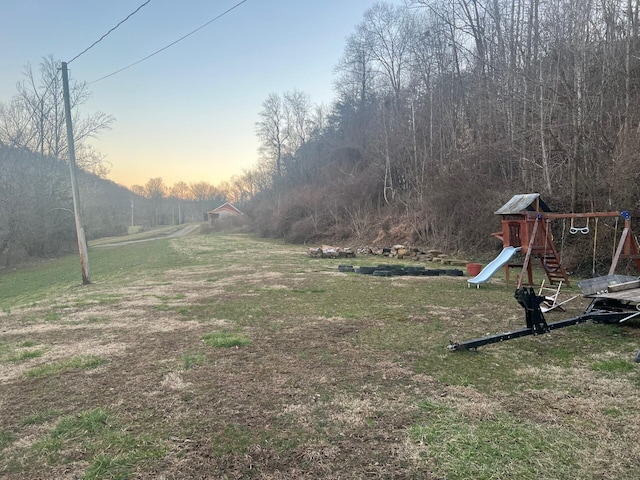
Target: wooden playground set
526 228
526 223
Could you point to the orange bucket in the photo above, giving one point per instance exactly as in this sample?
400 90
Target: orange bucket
473 269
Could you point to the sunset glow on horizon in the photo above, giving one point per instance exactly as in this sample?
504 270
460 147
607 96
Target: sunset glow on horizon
189 113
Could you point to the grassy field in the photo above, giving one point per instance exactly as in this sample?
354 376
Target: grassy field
222 356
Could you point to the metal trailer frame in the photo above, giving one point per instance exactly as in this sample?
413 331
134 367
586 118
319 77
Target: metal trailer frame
600 311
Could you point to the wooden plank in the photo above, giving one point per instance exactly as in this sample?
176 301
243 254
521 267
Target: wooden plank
626 295
577 215
616 257
624 286
527 258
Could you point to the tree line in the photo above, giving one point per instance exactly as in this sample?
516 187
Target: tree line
443 110
446 108
36 217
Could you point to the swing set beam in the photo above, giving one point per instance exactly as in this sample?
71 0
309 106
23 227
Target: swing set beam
627 246
582 215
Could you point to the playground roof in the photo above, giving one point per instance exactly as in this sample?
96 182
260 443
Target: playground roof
519 203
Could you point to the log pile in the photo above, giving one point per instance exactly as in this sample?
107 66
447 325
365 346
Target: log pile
401 252
413 253
328 251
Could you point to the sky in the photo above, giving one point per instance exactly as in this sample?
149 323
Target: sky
188 113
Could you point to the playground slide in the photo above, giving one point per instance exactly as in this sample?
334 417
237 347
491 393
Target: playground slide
495 265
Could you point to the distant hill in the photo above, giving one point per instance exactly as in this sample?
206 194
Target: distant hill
36 210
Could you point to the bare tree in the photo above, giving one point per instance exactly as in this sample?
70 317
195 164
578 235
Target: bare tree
180 192
355 69
155 190
205 195
387 30
138 190
40 126
298 106
273 132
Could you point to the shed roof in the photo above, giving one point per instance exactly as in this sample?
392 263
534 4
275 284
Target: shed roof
226 206
519 203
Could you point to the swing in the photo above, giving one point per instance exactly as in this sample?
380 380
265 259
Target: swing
583 230
564 228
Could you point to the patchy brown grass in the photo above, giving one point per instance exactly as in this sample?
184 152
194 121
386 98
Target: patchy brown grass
345 376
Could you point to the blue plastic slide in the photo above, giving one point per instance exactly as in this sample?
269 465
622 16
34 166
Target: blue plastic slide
495 265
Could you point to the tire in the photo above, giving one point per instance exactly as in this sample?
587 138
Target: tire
382 273
416 271
366 270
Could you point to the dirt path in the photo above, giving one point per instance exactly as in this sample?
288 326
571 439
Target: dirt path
186 230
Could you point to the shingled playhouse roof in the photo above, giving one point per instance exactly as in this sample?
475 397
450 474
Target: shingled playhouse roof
519 203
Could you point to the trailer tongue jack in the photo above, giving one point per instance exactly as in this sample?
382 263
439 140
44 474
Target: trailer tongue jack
536 323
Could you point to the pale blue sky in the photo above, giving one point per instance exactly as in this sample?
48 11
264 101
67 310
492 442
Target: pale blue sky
188 113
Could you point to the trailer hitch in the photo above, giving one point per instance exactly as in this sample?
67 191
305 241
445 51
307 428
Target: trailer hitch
536 323
528 300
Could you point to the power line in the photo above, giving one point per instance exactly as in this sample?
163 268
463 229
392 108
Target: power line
111 30
172 43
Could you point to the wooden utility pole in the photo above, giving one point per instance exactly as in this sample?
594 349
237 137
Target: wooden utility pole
82 243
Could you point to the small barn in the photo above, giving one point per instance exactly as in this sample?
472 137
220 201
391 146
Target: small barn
225 210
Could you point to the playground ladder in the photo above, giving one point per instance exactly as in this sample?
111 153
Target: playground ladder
549 258
546 253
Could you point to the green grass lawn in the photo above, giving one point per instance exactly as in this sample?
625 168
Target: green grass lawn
224 356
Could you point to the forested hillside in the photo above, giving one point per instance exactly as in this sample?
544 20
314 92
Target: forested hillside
443 110
36 216
446 108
